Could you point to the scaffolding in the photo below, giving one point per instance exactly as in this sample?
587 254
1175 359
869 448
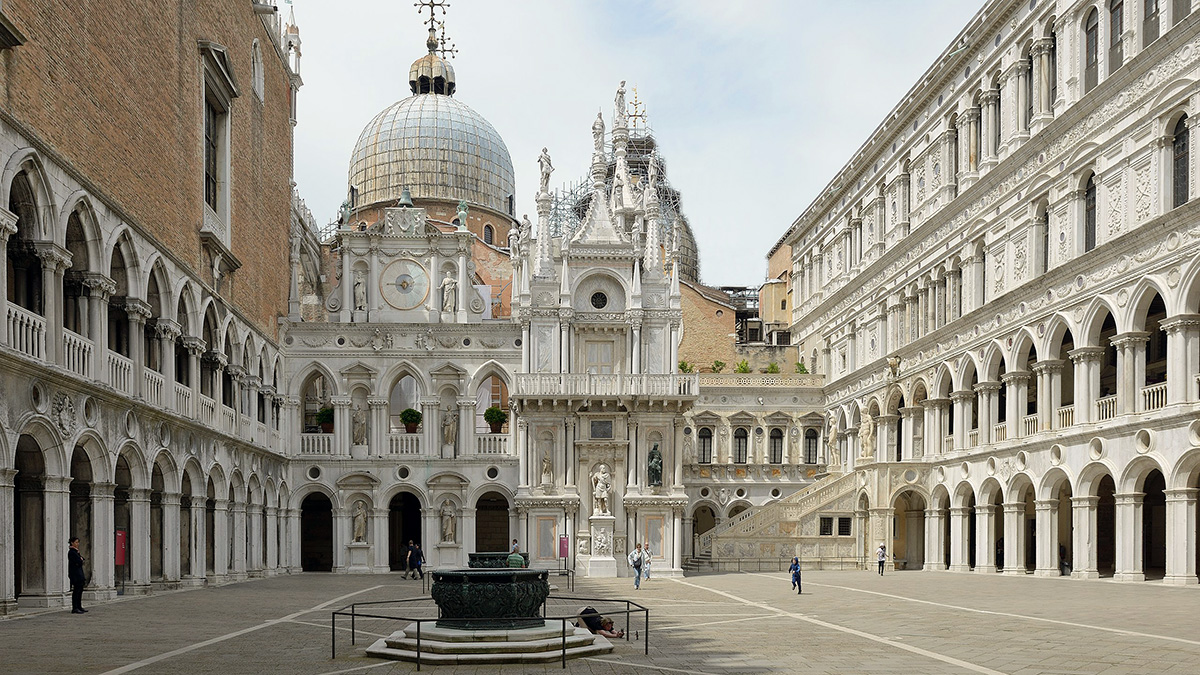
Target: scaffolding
570 202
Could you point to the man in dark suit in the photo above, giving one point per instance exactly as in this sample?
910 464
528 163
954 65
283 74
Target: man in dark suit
75 574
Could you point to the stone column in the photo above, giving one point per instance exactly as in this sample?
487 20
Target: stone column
1022 130
885 438
272 514
1042 105
1086 367
985 538
195 347
986 393
991 101
8 227
466 427
138 312
1130 564
379 426
55 261
1181 536
914 540
1083 514
292 536
1014 538
103 580
1016 383
167 331
960 539
971 165
522 454
1046 515
935 539
99 288
950 158
254 540
909 439
8 590
1131 370
342 424
1182 331
56 497
139 541
220 541
963 405
431 430
197 544
170 537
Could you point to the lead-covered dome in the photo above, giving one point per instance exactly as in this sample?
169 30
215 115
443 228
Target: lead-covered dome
433 145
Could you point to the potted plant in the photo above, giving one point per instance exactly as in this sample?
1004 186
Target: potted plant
718 366
325 420
742 366
411 419
772 368
495 417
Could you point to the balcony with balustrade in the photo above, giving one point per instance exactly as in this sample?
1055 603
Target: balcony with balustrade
615 385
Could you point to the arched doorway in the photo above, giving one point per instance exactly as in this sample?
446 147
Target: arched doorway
908 544
316 533
404 525
491 523
703 519
80 519
29 556
1154 525
122 519
157 544
1106 527
185 527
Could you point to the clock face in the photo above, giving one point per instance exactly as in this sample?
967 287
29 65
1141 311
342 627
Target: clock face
404 284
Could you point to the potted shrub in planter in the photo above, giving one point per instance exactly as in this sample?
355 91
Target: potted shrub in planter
325 420
411 419
495 417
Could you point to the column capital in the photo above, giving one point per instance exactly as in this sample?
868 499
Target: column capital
1045 504
1086 501
962 395
137 309
8 224
1132 338
1048 366
166 329
194 345
103 490
990 386
1086 354
1129 497
1015 377
52 255
1180 322
100 286
1181 494
139 495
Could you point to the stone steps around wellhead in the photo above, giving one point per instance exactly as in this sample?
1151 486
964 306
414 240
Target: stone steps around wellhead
450 646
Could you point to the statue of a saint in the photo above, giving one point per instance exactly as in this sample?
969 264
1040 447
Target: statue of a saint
449 293
448 525
866 435
449 426
547 470
653 180
619 101
526 228
462 214
546 169
601 488
598 133
831 438
360 521
360 292
514 243
359 426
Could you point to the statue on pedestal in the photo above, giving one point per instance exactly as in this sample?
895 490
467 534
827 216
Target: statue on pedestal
449 426
360 521
359 425
360 292
866 435
598 133
448 525
547 470
546 169
601 488
449 293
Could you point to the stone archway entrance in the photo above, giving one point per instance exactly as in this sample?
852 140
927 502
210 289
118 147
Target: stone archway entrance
28 518
491 523
908 544
404 525
316 533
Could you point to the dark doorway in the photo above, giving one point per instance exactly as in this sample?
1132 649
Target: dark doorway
404 524
1154 525
28 519
316 533
491 523
1106 528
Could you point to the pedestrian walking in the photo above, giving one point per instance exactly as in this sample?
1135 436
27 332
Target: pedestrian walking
75 574
419 558
635 561
881 554
410 561
795 570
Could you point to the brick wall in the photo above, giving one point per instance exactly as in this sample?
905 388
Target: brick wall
707 327
115 87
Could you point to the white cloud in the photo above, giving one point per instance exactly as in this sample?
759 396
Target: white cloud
755 105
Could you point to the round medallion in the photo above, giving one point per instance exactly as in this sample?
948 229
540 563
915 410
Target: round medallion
404 284
599 300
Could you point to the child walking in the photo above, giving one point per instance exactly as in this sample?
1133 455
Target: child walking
795 570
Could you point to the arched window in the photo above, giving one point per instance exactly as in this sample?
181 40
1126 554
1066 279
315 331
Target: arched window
488 234
1179 163
403 397
492 393
1089 214
1053 72
740 446
1091 50
705 446
1029 85
1149 22
1045 242
777 446
1116 26
257 79
811 441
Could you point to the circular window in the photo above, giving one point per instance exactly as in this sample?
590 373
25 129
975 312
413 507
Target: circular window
703 492
687 431
599 300
341 342
741 492
775 492
467 342
90 411
517 342
402 472
720 313
314 472
493 472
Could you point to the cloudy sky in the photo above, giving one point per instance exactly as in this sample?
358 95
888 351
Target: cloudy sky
755 104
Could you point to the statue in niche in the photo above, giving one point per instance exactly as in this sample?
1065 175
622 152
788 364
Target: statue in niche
449 293
866 435
360 521
598 133
449 426
601 488
546 169
654 467
448 523
547 470
360 292
359 425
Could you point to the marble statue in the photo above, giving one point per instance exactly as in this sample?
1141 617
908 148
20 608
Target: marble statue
359 425
360 521
448 523
601 488
449 293
619 101
449 426
514 243
547 470
546 169
526 228
360 292
598 133
866 435
831 438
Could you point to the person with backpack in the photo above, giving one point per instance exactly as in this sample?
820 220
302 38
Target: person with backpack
635 561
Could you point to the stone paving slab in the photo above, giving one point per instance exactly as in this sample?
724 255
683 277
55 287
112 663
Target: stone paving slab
846 622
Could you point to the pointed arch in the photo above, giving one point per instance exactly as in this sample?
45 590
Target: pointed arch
1141 296
27 161
1093 321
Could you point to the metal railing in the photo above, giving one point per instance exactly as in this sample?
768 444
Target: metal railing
631 609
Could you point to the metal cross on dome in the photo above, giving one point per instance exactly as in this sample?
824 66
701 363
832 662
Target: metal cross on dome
437 26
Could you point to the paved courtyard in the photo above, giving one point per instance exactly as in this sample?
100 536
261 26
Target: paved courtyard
846 622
